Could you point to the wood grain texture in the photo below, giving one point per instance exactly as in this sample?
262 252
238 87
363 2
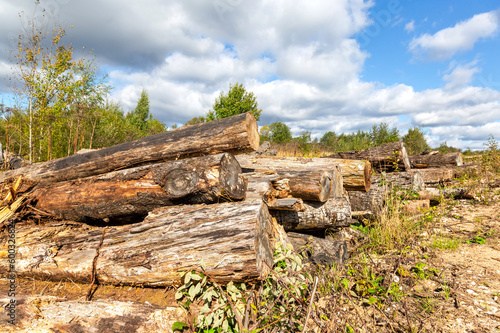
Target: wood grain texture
334 213
237 134
386 157
127 195
236 241
436 161
356 174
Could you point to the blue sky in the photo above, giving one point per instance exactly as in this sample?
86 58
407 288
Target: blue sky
319 65
391 62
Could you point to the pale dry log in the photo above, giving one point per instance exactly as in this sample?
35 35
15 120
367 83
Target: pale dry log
51 314
432 176
289 204
128 195
454 192
305 184
237 134
373 200
436 161
334 213
356 174
235 241
321 251
387 157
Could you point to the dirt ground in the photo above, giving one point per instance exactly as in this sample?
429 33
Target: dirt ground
472 269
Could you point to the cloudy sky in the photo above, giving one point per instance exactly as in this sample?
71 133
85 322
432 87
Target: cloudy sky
318 65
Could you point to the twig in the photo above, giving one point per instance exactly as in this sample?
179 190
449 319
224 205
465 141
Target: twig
94 270
310 304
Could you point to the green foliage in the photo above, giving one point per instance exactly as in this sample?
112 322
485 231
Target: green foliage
381 134
329 139
415 141
278 301
279 133
236 101
195 120
445 149
139 116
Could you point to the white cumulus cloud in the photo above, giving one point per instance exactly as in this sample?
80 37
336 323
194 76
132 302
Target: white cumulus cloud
461 37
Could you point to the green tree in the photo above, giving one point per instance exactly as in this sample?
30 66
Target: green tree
329 139
195 120
236 101
381 134
59 92
415 141
139 116
279 132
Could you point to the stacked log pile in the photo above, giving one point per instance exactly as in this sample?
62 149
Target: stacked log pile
323 211
147 211
394 168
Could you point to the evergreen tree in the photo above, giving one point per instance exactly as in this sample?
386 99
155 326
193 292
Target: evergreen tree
237 101
139 116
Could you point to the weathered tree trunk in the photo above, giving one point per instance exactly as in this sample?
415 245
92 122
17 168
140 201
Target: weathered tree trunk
334 213
436 161
50 314
373 200
455 192
321 251
356 174
305 185
289 204
386 157
235 134
433 176
128 195
235 241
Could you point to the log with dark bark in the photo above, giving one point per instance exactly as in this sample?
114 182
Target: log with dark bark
235 241
356 174
386 157
320 251
237 134
128 195
436 161
334 213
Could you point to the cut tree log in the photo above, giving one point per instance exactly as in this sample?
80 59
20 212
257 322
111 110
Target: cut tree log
237 134
320 251
334 213
289 204
51 314
387 157
304 184
432 176
356 174
234 242
128 195
373 200
436 161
